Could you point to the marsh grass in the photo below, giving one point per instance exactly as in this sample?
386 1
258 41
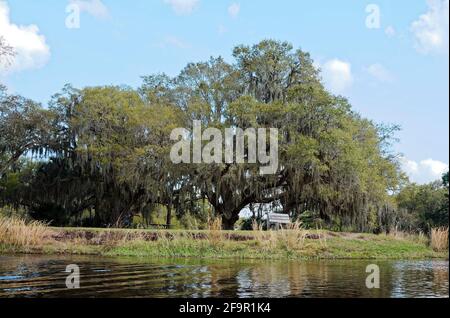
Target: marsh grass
18 233
267 240
293 237
257 226
214 235
322 239
439 239
418 237
399 235
293 242
287 239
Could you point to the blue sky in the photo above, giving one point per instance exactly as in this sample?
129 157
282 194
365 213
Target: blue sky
393 66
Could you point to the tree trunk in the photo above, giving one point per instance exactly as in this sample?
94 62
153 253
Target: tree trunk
228 223
169 215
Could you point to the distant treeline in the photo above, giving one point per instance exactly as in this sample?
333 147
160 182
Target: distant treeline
99 156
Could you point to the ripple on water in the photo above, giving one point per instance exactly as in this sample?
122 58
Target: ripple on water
11 277
44 276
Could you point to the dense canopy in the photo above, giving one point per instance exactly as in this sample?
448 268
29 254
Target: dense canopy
105 150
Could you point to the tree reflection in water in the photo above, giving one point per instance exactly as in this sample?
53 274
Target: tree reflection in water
44 276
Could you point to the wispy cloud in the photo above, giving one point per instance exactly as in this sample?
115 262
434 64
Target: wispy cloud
95 8
30 46
173 41
380 73
390 31
183 7
234 10
222 29
431 29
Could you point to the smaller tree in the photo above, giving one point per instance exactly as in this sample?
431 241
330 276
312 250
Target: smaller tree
426 204
25 127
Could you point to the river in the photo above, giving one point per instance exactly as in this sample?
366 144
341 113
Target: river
45 276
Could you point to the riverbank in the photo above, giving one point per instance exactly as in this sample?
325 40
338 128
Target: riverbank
284 244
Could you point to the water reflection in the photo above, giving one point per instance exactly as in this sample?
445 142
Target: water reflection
44 276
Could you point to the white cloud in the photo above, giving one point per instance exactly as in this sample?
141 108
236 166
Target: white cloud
390 31
424 171
96 8
337 75
175 42
234 9
29 45
431 29
380 73
222 29
182 7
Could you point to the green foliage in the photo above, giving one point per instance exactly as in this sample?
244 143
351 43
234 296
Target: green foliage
106 149
25 128
8 211
425 206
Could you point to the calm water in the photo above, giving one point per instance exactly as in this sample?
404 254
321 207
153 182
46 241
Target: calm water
44 276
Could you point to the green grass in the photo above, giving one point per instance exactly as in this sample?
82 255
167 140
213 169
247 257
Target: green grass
229 244
336 248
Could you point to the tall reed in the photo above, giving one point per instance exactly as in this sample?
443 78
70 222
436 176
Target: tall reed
17 232
293 237
439 239
215 231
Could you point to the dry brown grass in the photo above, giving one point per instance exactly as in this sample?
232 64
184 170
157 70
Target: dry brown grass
397 234
439 239
214 235
17 232
417 237
292 238
266 239
257 226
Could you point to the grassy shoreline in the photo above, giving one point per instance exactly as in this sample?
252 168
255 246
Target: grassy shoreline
216 244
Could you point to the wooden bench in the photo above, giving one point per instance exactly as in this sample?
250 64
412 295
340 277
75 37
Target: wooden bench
277 220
